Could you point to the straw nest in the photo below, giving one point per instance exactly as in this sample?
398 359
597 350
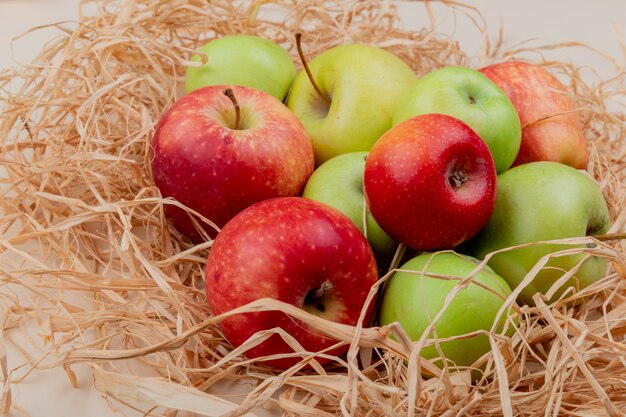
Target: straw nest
89 263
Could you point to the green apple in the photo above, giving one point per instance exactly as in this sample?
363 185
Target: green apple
360 85
338 182
414 299
470 96
243 60
536 202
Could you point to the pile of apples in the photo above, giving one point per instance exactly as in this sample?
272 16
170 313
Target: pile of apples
315 178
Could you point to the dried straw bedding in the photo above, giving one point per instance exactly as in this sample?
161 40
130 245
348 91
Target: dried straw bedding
88 259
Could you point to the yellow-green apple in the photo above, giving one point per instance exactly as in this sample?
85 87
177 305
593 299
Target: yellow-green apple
338 182
430 182
243 60
359 86
219 154
550 125
470 96
417 293
298 251
536 202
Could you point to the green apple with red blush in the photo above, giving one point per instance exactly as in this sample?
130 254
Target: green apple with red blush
548 114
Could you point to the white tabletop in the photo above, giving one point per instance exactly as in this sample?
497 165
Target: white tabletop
49 393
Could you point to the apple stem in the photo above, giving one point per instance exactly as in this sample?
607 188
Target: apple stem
610 236
307 69
231 95
315 298
323 289
318 294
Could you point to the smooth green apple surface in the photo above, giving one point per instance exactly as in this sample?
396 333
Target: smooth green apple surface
361 85
414 298
243 60
470 96
543 201
339 183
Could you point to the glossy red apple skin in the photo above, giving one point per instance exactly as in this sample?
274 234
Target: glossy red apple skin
200 160
550 125
284 248
408 184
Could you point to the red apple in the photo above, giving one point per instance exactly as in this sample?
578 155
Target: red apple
218 155
430 182
295 250
550 127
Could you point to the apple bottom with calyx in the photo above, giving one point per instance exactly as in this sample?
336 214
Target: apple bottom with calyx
537 202
414 299
221 149
430 182
298 251
338 182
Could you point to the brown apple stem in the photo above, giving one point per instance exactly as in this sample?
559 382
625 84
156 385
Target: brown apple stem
231 95
315 298
610 236
307 69
323 289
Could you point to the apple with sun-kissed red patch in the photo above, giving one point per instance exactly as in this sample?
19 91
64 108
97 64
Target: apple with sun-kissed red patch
221 149
298 251
430 182
549 115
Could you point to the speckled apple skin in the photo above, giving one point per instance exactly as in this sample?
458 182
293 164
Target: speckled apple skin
407 187
550 126
218 171
283 248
